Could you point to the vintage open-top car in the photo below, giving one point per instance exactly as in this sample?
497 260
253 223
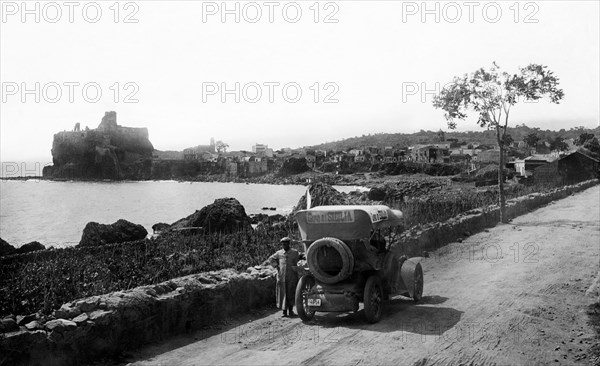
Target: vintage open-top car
349 262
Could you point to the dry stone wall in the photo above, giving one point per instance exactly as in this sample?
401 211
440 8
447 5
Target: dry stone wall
102 326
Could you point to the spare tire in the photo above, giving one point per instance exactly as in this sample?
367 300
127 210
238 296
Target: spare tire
330 260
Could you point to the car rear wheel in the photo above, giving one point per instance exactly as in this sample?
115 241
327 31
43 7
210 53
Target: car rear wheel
418 291
373 299
302 290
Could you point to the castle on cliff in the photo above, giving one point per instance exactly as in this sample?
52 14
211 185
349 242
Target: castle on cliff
110 151
108 126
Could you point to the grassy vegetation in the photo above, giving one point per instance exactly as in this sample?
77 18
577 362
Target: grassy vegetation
43 281
47 279
442 205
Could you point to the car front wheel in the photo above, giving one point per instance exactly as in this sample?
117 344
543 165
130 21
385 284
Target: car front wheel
373 299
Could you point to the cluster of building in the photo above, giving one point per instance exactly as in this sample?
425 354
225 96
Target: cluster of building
262 160
570 167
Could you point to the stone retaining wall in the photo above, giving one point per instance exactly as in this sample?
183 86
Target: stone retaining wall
100 326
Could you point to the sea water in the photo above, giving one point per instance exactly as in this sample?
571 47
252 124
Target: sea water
55 213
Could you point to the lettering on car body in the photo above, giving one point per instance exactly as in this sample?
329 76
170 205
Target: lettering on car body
331 217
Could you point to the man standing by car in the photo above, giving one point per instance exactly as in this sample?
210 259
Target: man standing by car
286 260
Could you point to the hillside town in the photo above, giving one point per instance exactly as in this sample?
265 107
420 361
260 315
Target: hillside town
526 160
115 152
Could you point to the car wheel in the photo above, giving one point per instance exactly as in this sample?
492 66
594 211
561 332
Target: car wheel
373 299
302 290
418 291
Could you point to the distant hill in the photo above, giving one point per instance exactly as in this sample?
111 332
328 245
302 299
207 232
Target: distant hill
487 137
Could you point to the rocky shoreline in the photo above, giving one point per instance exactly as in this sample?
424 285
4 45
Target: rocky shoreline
299 179
377 188
367 180
224 216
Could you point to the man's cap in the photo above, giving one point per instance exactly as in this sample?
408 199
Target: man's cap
286 239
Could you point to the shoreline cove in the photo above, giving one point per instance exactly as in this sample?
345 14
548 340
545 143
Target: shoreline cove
55 212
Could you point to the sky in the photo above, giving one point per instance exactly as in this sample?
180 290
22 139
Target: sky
303 72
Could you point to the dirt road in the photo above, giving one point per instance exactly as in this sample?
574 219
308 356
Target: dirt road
515 294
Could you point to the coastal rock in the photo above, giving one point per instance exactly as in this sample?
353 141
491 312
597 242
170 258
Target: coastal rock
377 193
118 232
256 218
322 194
293 166
30 247
276 218
189 231
225 215
160 227
5 248
266 219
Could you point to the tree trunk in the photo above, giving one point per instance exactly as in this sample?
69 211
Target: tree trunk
501 196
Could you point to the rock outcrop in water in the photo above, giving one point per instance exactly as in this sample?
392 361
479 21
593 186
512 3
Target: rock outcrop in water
110 151
160 227
5 248
377 193
119 232
322 194
30 247
225 215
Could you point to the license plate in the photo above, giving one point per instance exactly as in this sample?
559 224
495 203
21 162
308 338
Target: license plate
314 302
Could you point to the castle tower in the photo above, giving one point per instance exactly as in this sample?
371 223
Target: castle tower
109 121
